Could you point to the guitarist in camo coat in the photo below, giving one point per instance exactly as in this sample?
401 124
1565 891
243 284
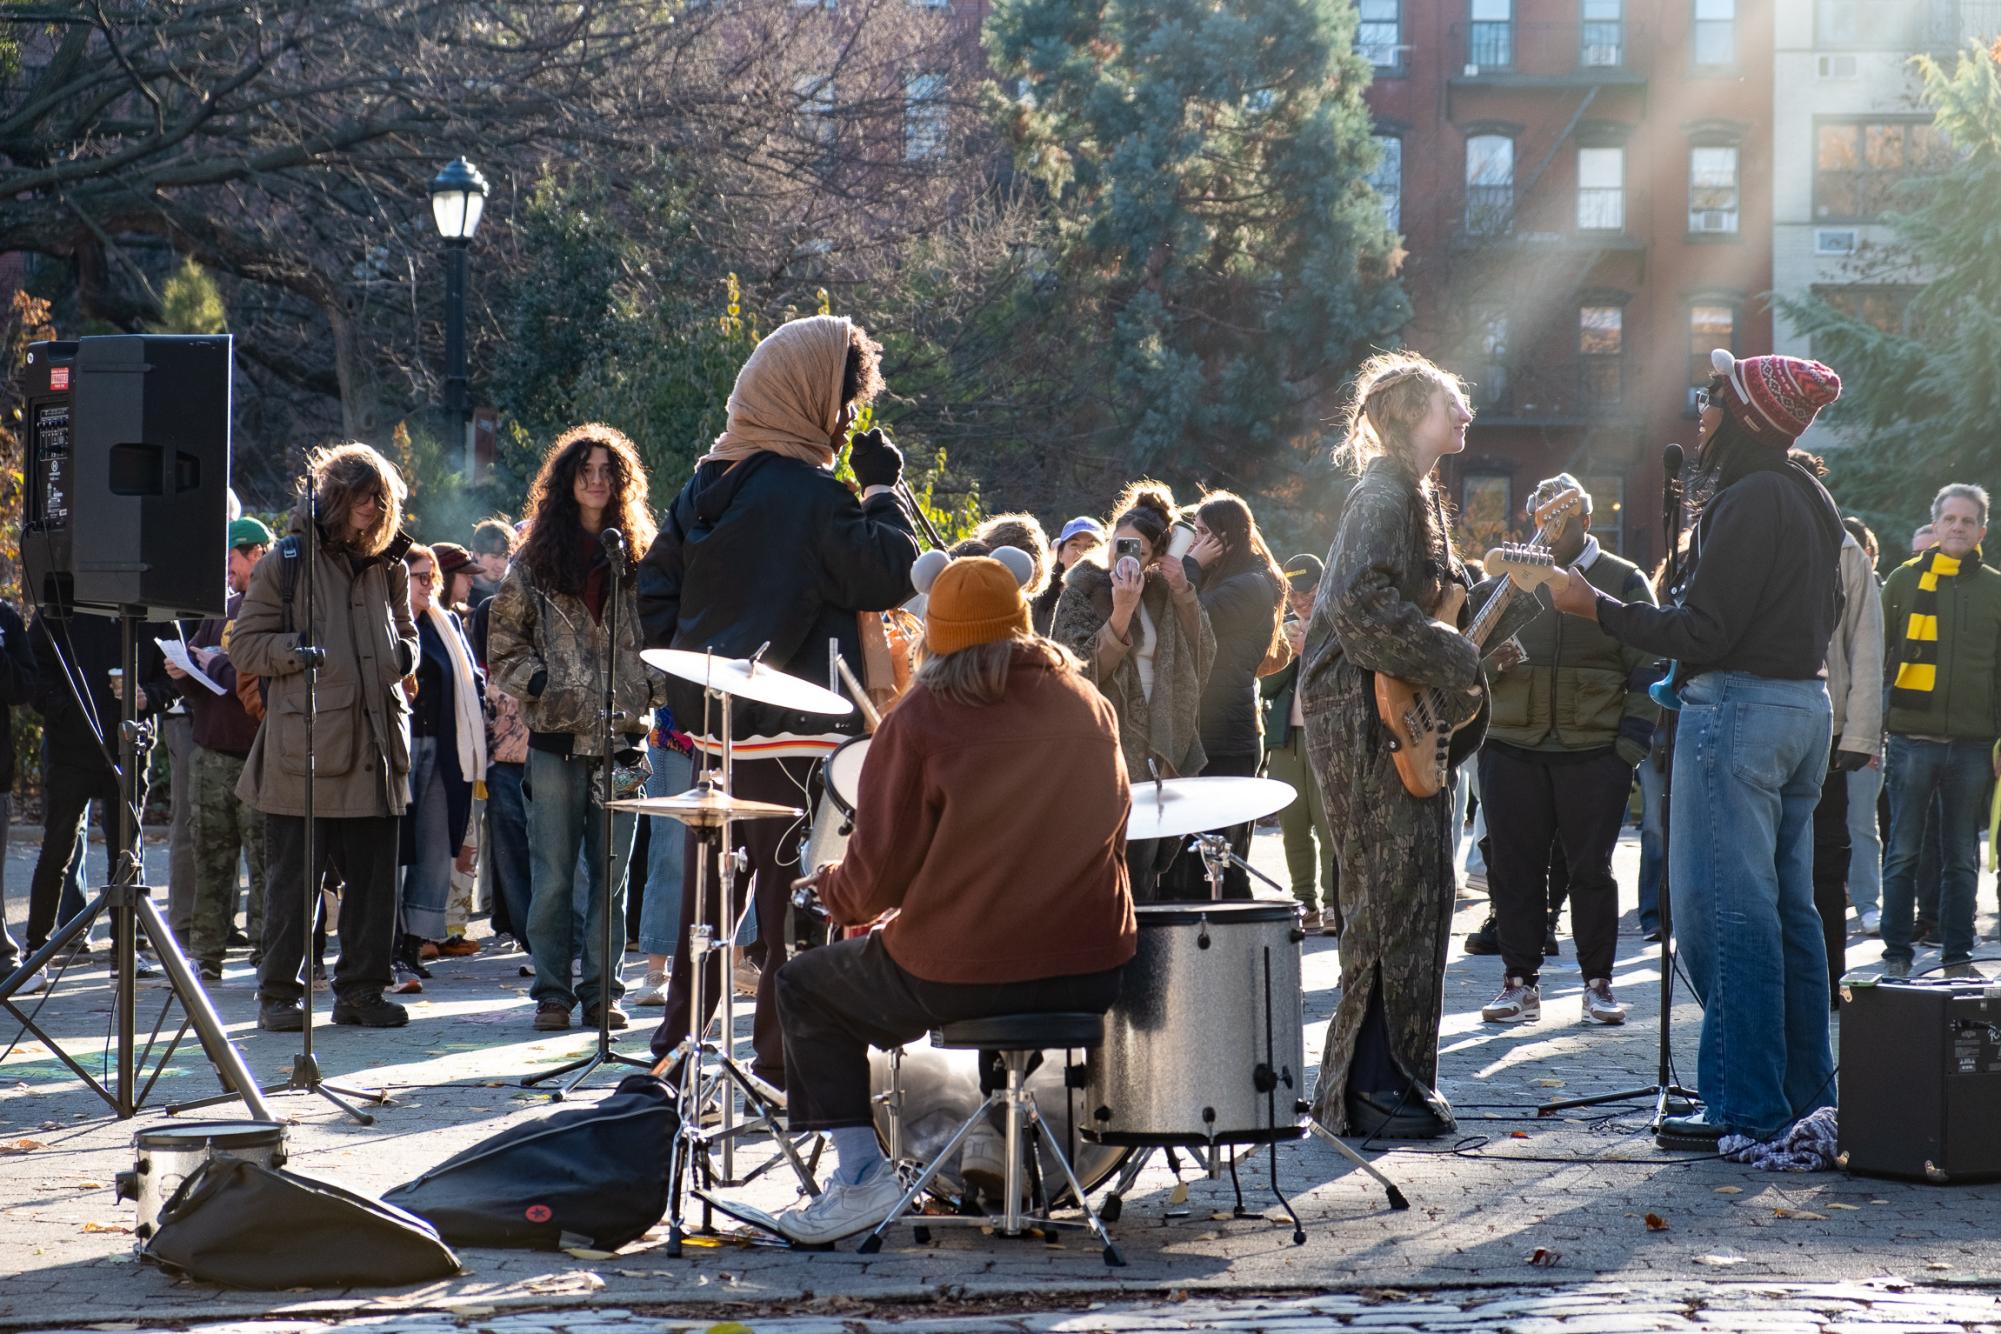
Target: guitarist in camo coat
1390 564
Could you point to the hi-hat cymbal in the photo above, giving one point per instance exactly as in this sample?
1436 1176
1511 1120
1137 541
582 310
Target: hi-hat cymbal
703 807
739 678
1178 806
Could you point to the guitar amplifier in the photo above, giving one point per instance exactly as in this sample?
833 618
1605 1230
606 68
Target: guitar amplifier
1920 1095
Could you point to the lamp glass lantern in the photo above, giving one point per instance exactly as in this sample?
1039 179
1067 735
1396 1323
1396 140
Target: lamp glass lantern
458 196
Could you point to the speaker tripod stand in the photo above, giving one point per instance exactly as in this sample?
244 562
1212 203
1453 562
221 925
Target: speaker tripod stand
127 901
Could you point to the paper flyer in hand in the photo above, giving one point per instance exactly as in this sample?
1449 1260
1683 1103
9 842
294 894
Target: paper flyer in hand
177 653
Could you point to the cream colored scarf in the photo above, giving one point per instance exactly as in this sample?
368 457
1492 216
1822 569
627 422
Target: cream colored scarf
469 724
787 398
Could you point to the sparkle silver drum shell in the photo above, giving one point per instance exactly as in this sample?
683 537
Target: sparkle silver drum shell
834 814
1206 1043
165 1156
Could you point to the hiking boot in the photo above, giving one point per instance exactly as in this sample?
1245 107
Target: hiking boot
654 992
1394 1114
370 1012
1600 1006
552 1017
1518 1002
280 1016
1896 968
1487 940
619 1018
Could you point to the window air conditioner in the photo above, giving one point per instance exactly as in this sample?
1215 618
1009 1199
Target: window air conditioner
1834 241
1721 220
1835 67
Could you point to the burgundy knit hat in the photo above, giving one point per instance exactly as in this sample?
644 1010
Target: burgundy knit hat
1776 397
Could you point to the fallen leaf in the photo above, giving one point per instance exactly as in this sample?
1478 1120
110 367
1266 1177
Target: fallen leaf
1179 1195
586 1253
1938 1265
1807 1214
1545 1258
1518 1134
106 1227
1549 1083
1729 1190
1655 1223
1221 1216
474 1310
730 1327
1719 1261
22 1146
99 1185
1852 1208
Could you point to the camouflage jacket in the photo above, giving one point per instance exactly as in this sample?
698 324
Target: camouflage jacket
546 651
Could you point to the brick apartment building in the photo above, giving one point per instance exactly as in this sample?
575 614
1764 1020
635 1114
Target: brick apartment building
1584 190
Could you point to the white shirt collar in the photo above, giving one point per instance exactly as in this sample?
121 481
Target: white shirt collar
1589 556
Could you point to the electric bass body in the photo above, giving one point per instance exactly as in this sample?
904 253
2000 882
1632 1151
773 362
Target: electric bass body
1427 747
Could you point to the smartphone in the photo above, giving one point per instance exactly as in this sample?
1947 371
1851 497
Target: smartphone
1123 547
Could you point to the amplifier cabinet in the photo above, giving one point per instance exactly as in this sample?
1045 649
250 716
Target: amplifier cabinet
1920 1095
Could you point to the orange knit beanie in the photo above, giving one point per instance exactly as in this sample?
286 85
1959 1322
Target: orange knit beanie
976 600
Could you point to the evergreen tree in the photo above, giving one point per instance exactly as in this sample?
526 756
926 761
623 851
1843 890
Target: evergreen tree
1222 261
1919 403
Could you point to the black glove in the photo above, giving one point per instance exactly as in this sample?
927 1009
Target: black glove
1848 761
876 461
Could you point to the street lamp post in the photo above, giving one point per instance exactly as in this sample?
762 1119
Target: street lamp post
458 197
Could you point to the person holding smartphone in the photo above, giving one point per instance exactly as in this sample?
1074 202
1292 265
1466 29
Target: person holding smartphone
1148 646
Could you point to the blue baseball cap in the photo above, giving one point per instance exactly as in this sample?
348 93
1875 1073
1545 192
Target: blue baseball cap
1080 525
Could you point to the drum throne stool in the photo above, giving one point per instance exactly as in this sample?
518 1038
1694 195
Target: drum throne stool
1016 1039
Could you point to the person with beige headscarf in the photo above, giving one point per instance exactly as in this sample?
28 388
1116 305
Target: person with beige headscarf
766 547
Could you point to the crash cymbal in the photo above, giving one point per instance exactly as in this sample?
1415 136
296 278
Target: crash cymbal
1177 806
740 678
703 806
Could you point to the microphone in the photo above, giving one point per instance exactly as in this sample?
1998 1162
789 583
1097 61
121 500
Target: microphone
1671 462
614 544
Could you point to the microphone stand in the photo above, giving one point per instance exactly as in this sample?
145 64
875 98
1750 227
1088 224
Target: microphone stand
1670 1099
608 970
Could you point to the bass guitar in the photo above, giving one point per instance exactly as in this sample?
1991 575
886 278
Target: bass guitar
1423 720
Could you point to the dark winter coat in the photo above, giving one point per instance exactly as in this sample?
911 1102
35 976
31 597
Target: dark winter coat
772 551
17 684
90 649
1243 607
221 723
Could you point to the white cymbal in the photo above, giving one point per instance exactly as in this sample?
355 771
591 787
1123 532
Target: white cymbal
1177 806
739 678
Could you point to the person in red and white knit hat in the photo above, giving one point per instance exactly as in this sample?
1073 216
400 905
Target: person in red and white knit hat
1748 626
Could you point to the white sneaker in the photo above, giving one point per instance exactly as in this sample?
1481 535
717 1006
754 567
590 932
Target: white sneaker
654 992
37 981
1872 922
1518 1002
1600 1006
843 1210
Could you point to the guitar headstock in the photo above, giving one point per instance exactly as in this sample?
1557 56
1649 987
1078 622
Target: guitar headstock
1554 514
1529 566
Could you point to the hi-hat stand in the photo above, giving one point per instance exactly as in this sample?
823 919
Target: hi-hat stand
127 899
608 971
305 1074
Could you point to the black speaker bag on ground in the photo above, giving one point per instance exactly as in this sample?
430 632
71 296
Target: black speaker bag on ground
249 1226
595 1176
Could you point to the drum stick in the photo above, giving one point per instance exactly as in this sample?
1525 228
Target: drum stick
869 715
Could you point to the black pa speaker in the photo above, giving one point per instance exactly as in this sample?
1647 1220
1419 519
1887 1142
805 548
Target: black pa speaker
1921 1079
127 471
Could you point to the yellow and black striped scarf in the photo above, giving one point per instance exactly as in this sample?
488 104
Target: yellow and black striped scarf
1917 660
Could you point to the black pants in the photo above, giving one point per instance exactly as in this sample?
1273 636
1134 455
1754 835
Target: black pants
1530 803
362 851
838 1001
1830 875
1186 878
67 792
772 849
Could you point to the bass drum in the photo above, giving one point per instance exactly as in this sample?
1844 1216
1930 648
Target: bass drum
834 814
942 1088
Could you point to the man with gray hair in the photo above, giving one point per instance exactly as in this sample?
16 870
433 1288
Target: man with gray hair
1941 651
1569 721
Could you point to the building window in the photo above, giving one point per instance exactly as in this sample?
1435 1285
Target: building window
1490 184
1858 165
1387 178
815 114
1883 25
924 117
1712 189
1487 509
1380 38
1601 355
1491 387
1886 309
1601 189
1711 324
1608 509
1492 36
1602 35
1715 32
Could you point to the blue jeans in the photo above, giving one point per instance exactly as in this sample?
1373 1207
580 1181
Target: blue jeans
564 822
1750 755
1913 771
1653 858
427 882
660 914
1865 844
506 847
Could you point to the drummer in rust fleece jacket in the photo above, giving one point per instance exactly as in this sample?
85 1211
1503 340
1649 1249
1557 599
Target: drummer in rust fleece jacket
1012 886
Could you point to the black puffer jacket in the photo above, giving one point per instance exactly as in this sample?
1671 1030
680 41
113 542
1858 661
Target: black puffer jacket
777 551
1243 607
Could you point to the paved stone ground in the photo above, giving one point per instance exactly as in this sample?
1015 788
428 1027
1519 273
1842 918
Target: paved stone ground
1738 1249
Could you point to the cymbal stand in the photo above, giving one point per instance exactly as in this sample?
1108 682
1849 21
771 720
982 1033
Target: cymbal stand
690 1163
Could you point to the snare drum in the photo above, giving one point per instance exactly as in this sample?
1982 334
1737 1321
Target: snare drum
169 1155
834 815
1206 1044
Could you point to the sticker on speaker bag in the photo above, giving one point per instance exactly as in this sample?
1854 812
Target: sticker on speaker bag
538 1213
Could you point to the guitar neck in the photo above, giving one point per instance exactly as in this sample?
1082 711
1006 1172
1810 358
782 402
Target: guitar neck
1489 615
